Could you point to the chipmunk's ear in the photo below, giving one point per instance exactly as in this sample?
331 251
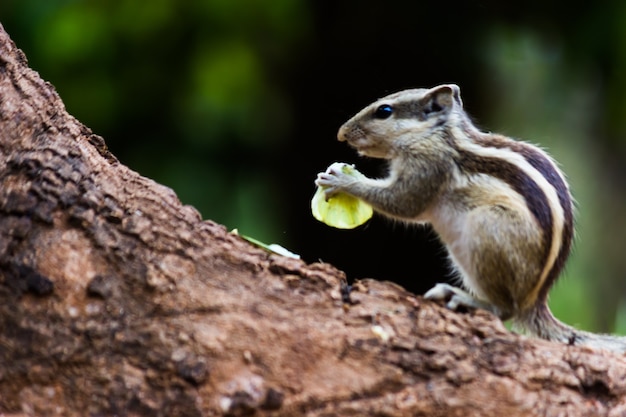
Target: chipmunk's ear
441 99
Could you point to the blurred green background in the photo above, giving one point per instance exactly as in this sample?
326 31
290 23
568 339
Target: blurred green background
235 105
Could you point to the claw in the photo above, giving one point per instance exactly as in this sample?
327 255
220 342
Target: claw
440 292
328 181
457 299
323 179
335 179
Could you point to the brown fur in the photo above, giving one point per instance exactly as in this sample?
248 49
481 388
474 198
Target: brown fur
502 207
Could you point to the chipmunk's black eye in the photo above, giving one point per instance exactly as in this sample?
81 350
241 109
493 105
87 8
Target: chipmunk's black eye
383 111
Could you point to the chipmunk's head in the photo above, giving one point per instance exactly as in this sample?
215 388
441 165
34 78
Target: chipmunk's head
385 127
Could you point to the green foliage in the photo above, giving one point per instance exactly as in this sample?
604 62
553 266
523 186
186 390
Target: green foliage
183 92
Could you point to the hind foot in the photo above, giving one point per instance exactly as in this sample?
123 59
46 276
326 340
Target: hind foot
456 298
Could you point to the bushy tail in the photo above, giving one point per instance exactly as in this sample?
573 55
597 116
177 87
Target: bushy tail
541 322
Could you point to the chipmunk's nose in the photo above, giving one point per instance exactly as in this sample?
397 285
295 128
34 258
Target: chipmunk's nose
342 135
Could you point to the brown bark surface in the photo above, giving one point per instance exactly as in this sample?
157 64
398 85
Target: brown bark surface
115 299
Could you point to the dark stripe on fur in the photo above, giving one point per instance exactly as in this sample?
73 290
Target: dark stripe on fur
517 179
539 161
409 109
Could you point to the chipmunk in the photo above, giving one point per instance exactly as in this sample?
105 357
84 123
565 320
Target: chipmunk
501 207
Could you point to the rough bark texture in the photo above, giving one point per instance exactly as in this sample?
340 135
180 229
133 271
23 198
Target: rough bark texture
115 299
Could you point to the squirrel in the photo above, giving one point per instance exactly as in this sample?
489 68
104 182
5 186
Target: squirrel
501 207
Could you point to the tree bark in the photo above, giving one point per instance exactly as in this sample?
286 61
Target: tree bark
115 299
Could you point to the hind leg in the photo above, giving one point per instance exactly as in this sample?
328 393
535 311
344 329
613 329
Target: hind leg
497 250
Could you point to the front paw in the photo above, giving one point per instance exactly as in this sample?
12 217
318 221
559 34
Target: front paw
336 178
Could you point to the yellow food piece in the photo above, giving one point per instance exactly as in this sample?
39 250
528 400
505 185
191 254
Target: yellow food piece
342 211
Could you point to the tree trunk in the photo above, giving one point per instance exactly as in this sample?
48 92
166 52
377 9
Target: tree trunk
115 299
